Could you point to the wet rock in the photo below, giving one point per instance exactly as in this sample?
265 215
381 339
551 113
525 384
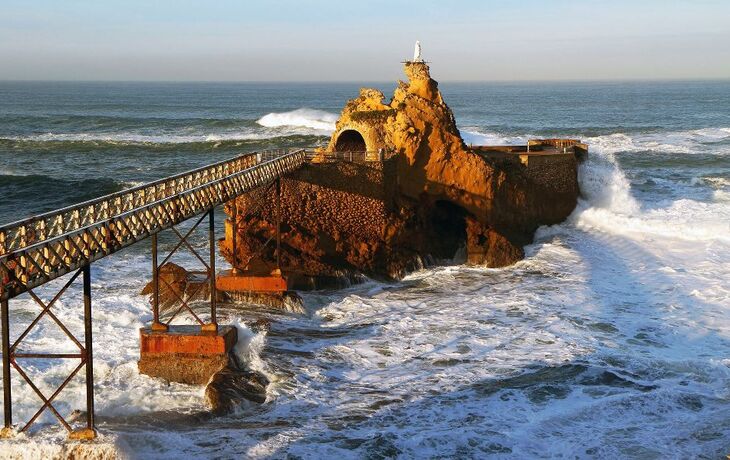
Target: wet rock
178 283
233 385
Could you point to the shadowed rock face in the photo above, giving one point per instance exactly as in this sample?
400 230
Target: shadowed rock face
430 199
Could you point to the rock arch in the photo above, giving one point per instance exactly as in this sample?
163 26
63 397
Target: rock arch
350 140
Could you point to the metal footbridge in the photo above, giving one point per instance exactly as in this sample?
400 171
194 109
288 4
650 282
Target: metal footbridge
42 248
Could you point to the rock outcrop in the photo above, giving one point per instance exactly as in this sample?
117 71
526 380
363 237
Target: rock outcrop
424 196
176 283
233 385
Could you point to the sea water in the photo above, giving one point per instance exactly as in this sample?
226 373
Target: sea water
611 339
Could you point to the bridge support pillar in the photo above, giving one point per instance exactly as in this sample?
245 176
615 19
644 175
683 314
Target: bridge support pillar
213 325
185 354
13 357
7 399
89 432
156 324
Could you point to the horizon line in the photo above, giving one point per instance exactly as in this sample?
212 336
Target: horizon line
587 80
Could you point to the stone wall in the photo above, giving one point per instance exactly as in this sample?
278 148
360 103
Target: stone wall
335 217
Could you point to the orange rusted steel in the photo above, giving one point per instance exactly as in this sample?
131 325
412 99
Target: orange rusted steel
12 353
245 283
187 340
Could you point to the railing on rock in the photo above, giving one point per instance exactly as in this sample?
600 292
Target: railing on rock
353 156
559 144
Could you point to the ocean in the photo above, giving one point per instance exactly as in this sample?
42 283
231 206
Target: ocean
611 339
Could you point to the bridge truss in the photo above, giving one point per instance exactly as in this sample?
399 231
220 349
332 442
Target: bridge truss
42 248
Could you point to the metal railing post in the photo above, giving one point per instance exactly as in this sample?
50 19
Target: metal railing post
234 237
7 400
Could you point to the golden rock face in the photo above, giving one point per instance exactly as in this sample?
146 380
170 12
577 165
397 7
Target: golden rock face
419 127
428 197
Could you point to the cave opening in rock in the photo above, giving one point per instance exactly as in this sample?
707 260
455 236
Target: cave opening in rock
350 140
448 232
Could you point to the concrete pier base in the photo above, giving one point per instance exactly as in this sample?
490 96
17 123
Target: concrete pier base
185 354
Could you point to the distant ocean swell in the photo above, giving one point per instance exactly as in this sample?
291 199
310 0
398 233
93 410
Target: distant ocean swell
296 123
633 141
306 125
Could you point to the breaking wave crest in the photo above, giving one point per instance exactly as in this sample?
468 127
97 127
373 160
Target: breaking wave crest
474 136
318 120
689 141
147 139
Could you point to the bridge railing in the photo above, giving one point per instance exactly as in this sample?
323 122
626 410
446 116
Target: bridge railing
20 234
36 250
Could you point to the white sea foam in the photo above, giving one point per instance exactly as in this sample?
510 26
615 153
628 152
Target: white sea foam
244 134
689 142
134 138
249 347
475 136
607 205
14 172
318 120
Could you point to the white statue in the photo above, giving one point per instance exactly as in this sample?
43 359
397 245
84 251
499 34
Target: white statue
417 52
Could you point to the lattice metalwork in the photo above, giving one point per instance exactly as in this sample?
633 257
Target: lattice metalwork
37 250
12 353
182 297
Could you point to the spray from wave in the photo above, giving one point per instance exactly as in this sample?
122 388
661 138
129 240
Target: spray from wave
608 205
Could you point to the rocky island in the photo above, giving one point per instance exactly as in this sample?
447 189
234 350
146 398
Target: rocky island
396 189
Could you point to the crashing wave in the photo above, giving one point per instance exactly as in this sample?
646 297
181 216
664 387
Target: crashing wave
318 120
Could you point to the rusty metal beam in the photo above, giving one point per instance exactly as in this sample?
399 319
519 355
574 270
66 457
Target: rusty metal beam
11 355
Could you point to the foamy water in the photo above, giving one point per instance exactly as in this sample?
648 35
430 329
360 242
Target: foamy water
610 340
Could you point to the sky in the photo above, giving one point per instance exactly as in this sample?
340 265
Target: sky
339 40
